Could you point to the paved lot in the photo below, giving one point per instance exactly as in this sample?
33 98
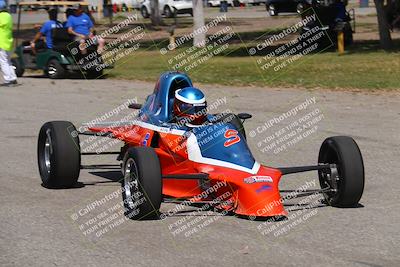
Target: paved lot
249 12
40 227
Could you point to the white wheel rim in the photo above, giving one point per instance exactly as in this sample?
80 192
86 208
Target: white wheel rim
52 70
131 183
48 151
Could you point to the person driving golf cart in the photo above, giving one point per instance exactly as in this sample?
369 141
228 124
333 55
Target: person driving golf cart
46 31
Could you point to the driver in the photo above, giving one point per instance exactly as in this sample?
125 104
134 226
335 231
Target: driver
46 30
190 107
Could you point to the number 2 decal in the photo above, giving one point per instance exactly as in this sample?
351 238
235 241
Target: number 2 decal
233 137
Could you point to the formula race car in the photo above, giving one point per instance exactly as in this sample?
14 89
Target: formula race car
207 164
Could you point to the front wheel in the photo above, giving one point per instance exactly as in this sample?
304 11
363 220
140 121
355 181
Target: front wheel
142 185
58 153
19 70
345 179
54 69
145 13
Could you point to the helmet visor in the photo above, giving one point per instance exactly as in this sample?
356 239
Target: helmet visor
192 109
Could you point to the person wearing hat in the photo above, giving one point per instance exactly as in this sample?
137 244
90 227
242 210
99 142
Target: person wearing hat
46 31
6 43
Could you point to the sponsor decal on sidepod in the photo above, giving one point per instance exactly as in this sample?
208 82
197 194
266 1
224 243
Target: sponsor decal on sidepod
258 179
263 188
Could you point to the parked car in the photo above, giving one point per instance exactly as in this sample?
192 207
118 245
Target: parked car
274 7
255 2
168 7
213 3
136 4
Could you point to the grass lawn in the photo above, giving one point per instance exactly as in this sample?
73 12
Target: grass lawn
354 70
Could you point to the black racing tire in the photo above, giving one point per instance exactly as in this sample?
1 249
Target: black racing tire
145 13
168 12
345 153
142 184
234 119
299 8
54 70
58 153
19 70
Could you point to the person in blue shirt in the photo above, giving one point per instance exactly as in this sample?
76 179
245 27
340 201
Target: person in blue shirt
69 12
340 11
46 31
81 26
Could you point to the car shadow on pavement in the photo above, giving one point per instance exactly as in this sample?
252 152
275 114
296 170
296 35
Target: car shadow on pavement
71 76
76 185
111 176
301 205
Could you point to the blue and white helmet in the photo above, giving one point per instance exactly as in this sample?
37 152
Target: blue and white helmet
190 104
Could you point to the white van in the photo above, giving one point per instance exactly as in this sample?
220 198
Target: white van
168 7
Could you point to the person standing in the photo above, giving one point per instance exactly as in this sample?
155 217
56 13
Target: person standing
6 43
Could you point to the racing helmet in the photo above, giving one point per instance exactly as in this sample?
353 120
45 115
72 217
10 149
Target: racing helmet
190 106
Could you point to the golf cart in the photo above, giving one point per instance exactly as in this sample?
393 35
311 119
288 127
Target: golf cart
65 56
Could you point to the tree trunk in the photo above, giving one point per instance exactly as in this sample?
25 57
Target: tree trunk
155 15
384 31
198 19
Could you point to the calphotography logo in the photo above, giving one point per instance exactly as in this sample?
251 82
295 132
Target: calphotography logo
258 179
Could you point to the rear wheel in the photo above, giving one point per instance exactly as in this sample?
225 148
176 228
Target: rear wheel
272 10
299 8
167 12
345 178
58 152
145 13
54 69
142 185
19 70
